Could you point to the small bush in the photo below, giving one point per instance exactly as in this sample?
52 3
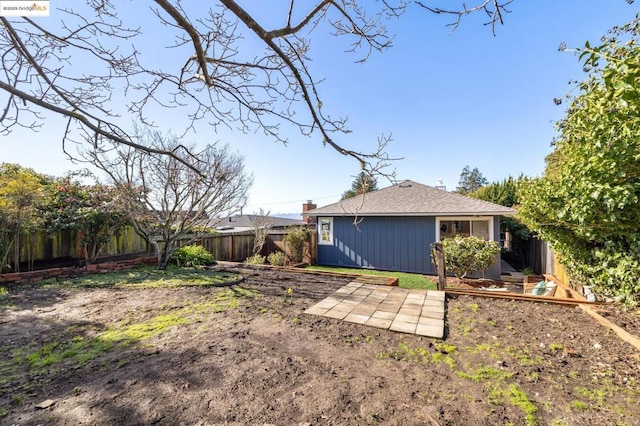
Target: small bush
256 259
295 240
192 256
465 255
277 258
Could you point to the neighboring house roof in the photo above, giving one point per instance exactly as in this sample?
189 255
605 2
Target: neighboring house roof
245 222
409 198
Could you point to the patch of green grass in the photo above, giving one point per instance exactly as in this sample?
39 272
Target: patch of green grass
405 352
597 396
522 356
474 307
445 348
79 349
3 411
578 405
390 354
467 327
18 398
519 399
556 346
484 373
483 347
534 376
414 354
350 340
147 277
142 331
128 333
405 280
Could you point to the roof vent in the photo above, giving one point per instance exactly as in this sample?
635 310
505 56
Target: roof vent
405 185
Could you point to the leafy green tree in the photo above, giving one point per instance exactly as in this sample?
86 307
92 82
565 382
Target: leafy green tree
94 211
465 255
362 184
587 202
20 192
295 241
502 192
470 181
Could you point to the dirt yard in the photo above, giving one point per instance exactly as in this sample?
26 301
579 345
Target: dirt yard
242 355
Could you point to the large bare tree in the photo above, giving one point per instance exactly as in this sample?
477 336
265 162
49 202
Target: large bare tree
173 200
226 63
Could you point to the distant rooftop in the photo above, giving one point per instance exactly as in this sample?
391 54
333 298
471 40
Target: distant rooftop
245 222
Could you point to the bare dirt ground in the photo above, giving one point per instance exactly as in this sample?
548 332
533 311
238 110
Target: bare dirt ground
203 356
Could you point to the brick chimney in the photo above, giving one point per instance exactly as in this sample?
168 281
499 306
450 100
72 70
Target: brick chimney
305 208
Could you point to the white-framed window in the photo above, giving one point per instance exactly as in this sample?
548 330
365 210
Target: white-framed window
447 227
325 230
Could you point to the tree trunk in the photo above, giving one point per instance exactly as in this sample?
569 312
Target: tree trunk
163 253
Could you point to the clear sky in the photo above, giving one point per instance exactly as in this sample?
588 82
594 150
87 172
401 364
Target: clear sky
448 100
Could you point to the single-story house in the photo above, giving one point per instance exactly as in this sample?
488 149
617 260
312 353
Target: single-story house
245 222
392 228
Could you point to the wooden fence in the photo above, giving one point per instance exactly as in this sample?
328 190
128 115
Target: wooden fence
237 247
40 249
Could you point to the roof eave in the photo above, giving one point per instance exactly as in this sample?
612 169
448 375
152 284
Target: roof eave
349 214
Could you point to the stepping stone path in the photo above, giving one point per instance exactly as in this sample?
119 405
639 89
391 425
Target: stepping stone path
398 309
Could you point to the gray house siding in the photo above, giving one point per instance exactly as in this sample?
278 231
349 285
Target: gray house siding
385 243
495 270
388 243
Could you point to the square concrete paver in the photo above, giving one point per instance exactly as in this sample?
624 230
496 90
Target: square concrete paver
363 309
430 331
413 312
316 310
379 322
407 318
406 311
336 313
357 318
403 327
384 315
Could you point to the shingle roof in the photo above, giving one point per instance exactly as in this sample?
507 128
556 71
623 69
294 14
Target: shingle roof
245 222
409 198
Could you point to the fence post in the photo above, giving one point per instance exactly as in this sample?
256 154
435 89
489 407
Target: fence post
437 252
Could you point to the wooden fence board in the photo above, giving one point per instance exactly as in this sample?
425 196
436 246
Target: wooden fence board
235 247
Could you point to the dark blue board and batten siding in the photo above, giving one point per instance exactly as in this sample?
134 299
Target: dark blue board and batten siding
393 244
387 243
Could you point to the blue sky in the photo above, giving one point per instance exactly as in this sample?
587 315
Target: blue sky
448 100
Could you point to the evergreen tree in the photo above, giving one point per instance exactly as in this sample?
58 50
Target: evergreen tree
470 181
363 183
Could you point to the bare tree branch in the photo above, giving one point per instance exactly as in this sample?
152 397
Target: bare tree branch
167 202
89 68
494 9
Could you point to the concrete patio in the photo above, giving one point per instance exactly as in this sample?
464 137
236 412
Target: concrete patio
410 311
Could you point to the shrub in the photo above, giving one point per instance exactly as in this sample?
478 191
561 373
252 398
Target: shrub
465 255
192 256
277 258
256 259
295 240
